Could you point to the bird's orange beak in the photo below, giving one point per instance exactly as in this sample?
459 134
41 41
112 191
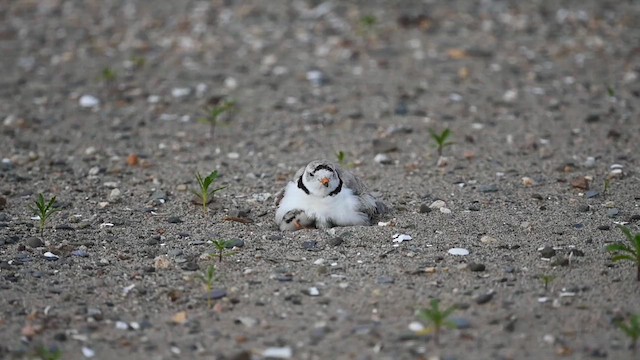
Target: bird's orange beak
325 181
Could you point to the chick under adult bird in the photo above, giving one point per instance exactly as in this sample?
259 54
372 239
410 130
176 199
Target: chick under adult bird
324 195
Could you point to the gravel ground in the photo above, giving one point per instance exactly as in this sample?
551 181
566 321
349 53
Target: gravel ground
100 101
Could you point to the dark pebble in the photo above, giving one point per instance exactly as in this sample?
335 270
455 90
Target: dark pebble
216 294
284 277
578 226
61 337
634 218
547 252
537 196
4 217
243 213
488 188
401 109
591 194
383 146
475 267
576 252
64 227
584 208
384 279
275 237
310 245
613 212
336 241
592 118
242 355
559 261
154 240
604 227
460 323
3 202
238 243
174 220
484 298
424 209
80 253
190 266
294 299
34 242
474 207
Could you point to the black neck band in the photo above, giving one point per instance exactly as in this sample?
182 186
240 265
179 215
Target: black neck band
337 190
301 185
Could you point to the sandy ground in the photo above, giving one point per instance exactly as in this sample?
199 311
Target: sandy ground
100 101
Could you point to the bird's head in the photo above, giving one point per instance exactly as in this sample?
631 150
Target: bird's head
320 178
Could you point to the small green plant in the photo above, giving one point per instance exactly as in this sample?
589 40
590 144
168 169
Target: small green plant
208 277
442 139
610 91
204 194
438 318
109 75
214 114
138 61
547 280
606 186
221 247
44 210
622 251
632 329
342 157
45 353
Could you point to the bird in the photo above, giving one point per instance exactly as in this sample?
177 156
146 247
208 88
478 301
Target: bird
325 195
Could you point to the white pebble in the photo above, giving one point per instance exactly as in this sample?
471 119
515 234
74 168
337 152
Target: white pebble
103 204
416 326
319 262
121 325
87 352
510 95
458 251
90 150
88 101
94 171
445 210
401 237
233 155
383 159
153 99
437 204
313 291
115 194
51 255
180 92
278 352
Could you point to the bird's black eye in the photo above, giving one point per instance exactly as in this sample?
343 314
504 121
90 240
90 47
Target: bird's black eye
311 174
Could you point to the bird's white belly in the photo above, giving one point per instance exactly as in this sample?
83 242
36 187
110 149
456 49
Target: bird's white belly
341 209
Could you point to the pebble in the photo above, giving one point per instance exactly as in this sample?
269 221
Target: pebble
383 159
114 195
80 253
34 242
559 261
458 251
313 291
336 241
590 162
381 146
161 262
613 212
180 92
88 101
385 279
278 353
216 294
484 298
310 245
460 323
476 267
51 256
584 208
174 220
486 239
438 204
399 238
424 209
3 203
604 227
246 321
547 252
88 352
488 188
316 77
474 207
235 243
233 155
591 194
121 325
188 265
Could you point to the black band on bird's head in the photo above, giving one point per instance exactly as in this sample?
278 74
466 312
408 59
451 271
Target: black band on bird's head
301 186
338 189
322 166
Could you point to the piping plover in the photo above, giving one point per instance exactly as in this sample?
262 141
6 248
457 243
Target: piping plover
323 193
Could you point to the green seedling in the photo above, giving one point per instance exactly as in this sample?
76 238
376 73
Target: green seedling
44 210
214 114
45 353
621 251
109 75
610 91
138 61
442 139
204 194
632 329
207 278
547 280
342 157
222 247
438 319
606 186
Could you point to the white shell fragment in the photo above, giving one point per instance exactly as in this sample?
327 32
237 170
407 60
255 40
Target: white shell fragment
401 237
416 326
88 101
51 256
278 353
458 251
